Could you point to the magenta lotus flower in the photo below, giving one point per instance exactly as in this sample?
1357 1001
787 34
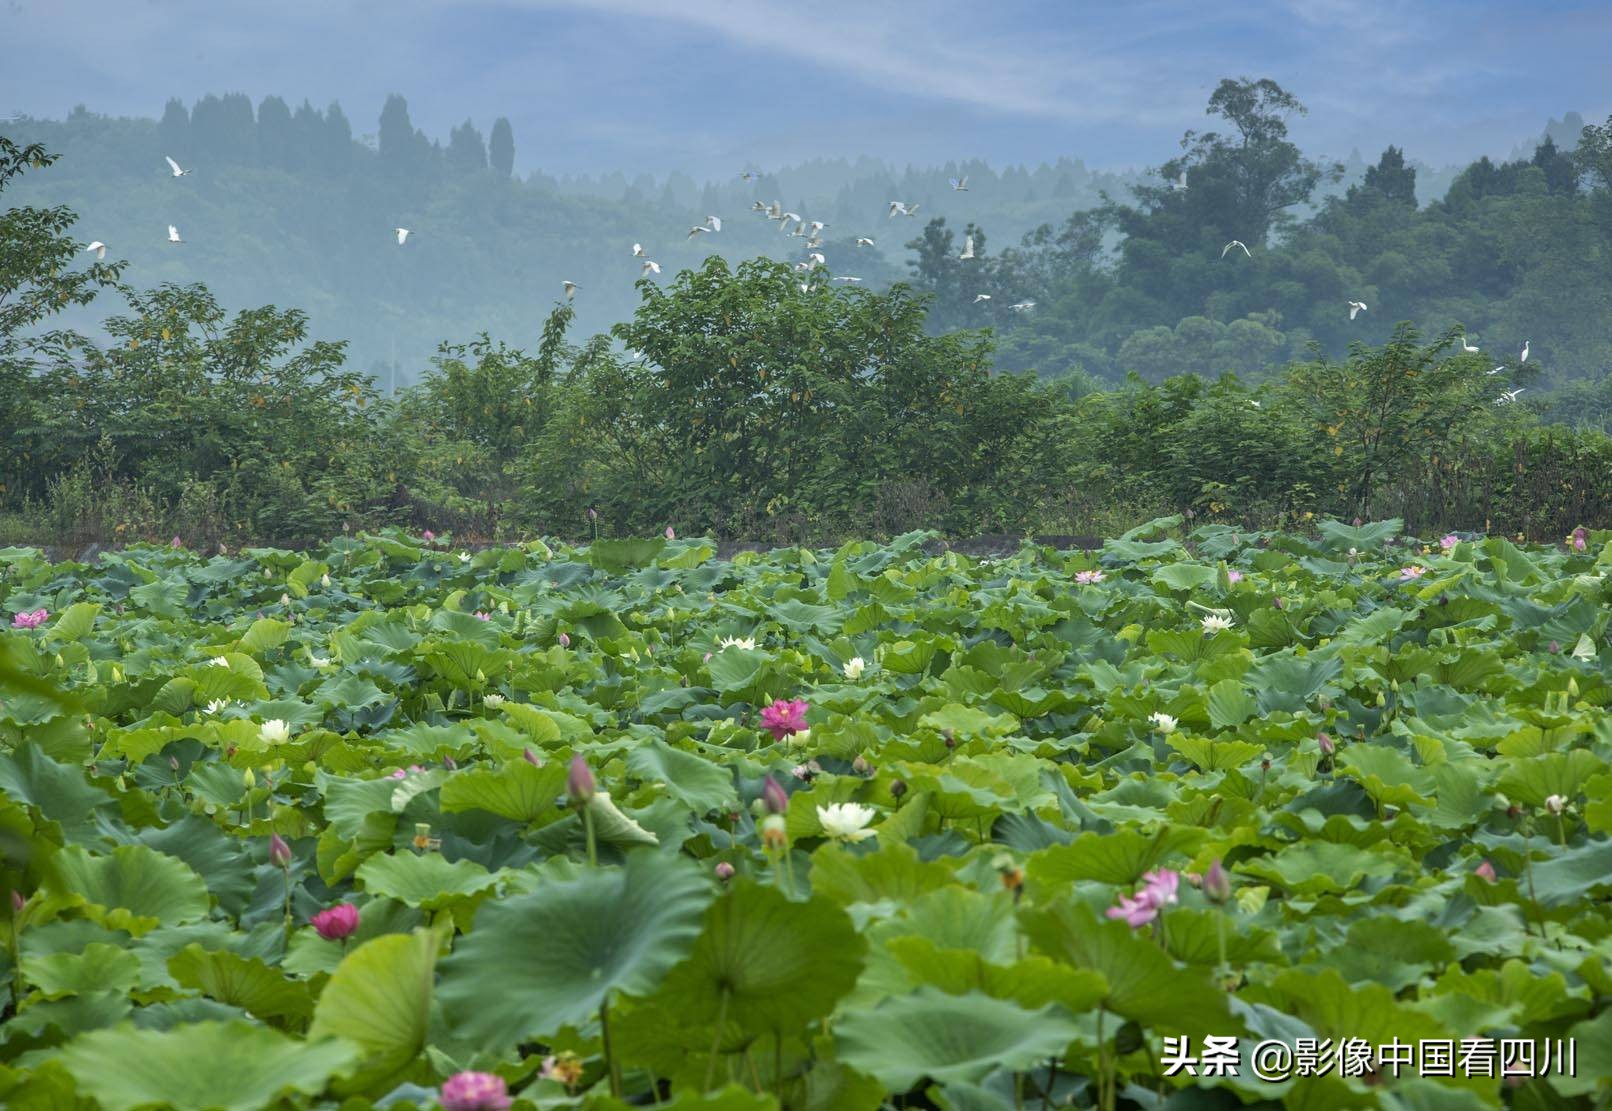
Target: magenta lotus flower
1089 578
1233 576
1485 872
1158 891
579 781
176 543
474 1091
1581 539
784 717
399 773
30 619
279 851
482 616
1448 542
336 923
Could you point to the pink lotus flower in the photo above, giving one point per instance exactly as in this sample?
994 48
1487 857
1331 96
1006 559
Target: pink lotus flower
774 797
176 543
1448 542
30 619
1217 883
1089 578
1485 872
429 536
1406 574
480 616
565 641
1233 576
670 535
1326 743
474 1091
399 773
1580 539
724 871
784 717
336 923
279 851
1158 891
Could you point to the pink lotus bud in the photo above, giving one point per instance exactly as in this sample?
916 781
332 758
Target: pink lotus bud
173 763
1580 539
1555 647
670 535
1216 883
1277 603
1485 872
860 765
531 758
17 901
450 763
279 851
593 514
565 641
774 796
1327 747
429 536
336 923
176 543
724 871
579 783
474 1091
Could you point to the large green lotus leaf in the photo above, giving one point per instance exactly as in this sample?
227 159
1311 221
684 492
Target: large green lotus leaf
968 722
1193 936
426 880
624 555
612 827
75 621
1032 982
265 633
957 917
379 998
1143 982
244 982
205 1066
894 872
1229 704
534 963
1593 1056
1120 857
733 1097
1388 951
518 791
694 781
59 791
1319 867
1185 576
348 802
1388 775
1577 875
134 888
1531 780
949 1037
766 962
1337 537
99 967
1513 994
1213 756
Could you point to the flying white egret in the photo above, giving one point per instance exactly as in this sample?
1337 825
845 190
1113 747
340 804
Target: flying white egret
1356 308
958 184
1022 306
901 209
98 248
1467 347
1497 370
847 279
173 234
402 235
789 218
1235 243
637 250
816 226
1180 183
570 290
714 223
814 242
651 266
697 229
1508 396
978 297
968 248
863 241
1523 358
759 206
1255 404
174 166
774 211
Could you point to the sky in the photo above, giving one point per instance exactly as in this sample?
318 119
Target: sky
708 87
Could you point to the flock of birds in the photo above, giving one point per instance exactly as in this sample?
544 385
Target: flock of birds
797 226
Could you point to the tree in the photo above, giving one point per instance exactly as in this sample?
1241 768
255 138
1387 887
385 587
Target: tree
174 130
400 145
1560 169
337 147
1392 178
276 141
501 147
466 151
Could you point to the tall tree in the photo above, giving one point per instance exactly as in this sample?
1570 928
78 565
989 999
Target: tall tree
1392 178
337 149
398 141
466 151
275 138
174 130
501 147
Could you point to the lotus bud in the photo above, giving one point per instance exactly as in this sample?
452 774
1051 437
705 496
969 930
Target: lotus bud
176 543
1216 883
898 787
279 851
1555 804
579 782
860 765
531 758
450 763
336 923
724 871
593 514
774 832
1572 687
1327 747
17 901
1277 603
248 779
565 641
173 763
670 535
774 797
1555 647
1485 872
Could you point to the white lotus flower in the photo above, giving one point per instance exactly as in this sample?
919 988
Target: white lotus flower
464 557
1584 649
319 661
846 821
736 642
324 581
1165 723
1213 623
1555 804
218 705
854 667
274 732
492 701
219 661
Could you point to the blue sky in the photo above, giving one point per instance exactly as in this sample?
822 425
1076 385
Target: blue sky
707 86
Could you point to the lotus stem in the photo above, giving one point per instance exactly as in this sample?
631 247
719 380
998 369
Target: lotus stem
612 1066
593 849
716 1041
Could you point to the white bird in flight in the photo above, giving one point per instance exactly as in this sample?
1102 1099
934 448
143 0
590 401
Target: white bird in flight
899 208
651 266
98 248
1467 347
978 297
847 279
637 250
173 234
570 290
1523 358
1235 243
1022 306
816 226
174 166
1356 308
959 184
968 248
402 235
714 223
1180 183
863 241
1255 404
697 229
1508 396
1497 370
787 218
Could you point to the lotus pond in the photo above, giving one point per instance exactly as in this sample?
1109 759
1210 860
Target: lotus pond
395 824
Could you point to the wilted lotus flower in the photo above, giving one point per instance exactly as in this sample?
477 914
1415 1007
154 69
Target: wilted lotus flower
279 851
1555 804
492 701
1580 539
1214 623
774 797
1089 578
474 1091
1485 872
579 782
562 1068
1164 722
1448 542
784 717
274 732
845 821
30 620
724 871
336 923
854 667
1413 571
